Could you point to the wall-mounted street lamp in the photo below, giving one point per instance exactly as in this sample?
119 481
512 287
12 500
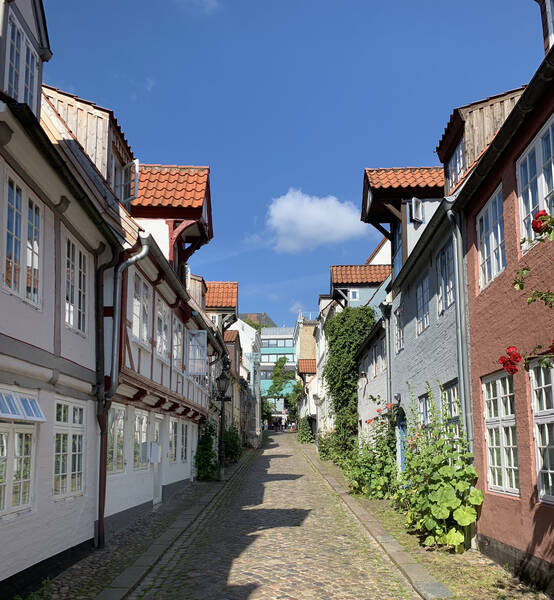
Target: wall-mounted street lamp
222 385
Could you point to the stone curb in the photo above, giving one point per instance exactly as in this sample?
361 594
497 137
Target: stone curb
422 581
187 522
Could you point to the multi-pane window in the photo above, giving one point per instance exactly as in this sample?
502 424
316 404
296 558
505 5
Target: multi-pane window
422 297
535 174
452 408
543 413
501 435
172 440
446 277
197 352
184 441
178 344
69 437
162 328
16 466
116 433
490 238
398 329
141 309
75 287
140 449
456 165
382 355
22 243
423 410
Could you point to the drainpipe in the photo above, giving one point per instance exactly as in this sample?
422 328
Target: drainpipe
386 312
106 401
461 325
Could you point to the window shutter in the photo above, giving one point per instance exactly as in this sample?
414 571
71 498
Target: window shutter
130 181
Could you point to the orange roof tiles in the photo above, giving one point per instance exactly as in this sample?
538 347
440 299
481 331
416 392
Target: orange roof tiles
359 273
230 336
306 366
405 177
222 294
172 185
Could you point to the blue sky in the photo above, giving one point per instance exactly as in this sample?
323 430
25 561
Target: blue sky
288 101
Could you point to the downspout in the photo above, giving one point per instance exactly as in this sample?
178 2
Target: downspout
105 403
461 330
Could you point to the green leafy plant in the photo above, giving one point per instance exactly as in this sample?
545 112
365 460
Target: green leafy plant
436 487
205 460
233 445
305 435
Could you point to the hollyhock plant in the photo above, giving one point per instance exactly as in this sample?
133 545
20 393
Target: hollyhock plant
389 405
379 410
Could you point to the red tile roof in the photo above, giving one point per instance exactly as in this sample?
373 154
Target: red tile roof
364 274
307 366
230 336
222 294
172 185
405 177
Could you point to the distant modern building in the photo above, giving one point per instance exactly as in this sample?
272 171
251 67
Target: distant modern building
261 318
276 343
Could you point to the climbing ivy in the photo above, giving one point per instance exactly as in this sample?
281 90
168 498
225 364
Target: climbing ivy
344 333
205 460
305 435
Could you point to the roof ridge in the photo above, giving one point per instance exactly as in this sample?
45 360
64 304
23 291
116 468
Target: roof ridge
160 166
403 168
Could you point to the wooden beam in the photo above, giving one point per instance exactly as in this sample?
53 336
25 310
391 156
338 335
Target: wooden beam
393 210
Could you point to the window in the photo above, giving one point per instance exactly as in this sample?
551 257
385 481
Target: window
178 344
116 432
423 410
490 238
398 330
172 440
16 466
452 408
422 297
535 175
184 441
197 352
21 84
416 210
75 287
20 407
265 343
140 450
382 355
446 277
456 165
354 295
162 328
69 434
396 247
23 233
501 438
141 309
543 414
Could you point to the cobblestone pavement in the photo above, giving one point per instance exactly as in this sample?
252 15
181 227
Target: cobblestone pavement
277 533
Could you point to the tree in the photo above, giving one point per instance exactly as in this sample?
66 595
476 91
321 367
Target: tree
256 326
280 380
267 409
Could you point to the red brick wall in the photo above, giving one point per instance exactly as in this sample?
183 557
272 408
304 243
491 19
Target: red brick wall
499 317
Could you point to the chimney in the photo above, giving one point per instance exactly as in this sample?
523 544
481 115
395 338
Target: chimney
547 18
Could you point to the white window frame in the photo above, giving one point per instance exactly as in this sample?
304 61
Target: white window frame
542 398
536 185
29 250
184 441
141 429
417 210
398 329
119 411
8 459
20 406
163 327
354 295
73 426
490 239
500 416
423 408
141 307
197 352
445 266
178 345
77 262
456 164
172 437
550 19
27 87
422 301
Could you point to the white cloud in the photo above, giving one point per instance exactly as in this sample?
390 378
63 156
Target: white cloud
207 7
296 308
301 222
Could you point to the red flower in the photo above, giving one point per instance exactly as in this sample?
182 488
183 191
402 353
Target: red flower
541 213
515 357
370 421
379 410
510 349
503 360
510 368
389 405
541 222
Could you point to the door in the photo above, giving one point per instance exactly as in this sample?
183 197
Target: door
156 464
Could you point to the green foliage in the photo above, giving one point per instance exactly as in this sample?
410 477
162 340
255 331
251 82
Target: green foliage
280 380
291 403
205 461
325 446
233 445
45 592
305 435
344 333
256 326
267 409
435 489
371 469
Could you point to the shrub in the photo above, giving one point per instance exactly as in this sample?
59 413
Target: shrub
233 445
305 435
205 461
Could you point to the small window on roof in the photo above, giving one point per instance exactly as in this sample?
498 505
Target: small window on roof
20 407
416 210
456 164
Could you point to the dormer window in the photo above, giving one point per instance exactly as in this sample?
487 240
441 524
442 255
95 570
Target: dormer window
416 210
22 66
456 165
123 179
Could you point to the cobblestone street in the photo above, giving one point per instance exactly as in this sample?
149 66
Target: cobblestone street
279 532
